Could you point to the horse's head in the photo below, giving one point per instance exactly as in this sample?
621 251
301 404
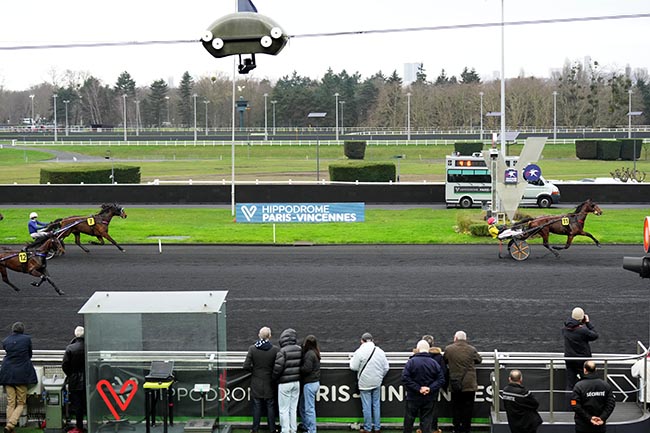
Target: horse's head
592 207
113 209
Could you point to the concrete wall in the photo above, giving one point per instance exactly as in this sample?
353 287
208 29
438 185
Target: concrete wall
220 194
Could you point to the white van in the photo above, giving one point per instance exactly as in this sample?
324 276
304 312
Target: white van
468 183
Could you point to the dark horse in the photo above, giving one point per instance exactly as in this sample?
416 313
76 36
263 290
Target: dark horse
570 225
31 260
94 225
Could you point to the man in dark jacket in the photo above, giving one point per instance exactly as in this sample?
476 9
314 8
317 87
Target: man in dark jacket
577 332
74 367
16 373
260 360
422 377
592 401
286 372
520 404
461 358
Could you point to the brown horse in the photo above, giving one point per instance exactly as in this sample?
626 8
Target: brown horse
31 260
94 225
570 225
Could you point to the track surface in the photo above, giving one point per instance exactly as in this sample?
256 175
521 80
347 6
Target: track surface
397 293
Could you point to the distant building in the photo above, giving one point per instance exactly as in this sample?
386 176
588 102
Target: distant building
411 72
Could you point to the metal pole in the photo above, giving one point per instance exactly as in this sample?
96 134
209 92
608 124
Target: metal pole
273 104
194 96
66 102
206 102
503 86
55 131
137 117
408 117
266 123
629 114
124 103
336 97
232 145
167 98
341 104
33 122
554 115
481 95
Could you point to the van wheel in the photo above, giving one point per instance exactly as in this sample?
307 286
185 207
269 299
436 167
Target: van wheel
544 201
465 202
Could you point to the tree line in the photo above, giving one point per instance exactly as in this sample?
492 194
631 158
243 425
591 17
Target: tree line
578 95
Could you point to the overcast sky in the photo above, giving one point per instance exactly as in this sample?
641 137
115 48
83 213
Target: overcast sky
531 49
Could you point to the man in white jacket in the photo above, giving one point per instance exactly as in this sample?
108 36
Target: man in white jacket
639 370
371 365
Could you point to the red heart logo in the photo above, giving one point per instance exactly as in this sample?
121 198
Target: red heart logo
122 405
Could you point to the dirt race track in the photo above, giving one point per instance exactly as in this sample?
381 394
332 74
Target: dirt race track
338 292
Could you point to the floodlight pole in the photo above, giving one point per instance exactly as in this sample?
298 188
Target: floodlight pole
194 96
629 114
66 102
124 114
554 115
266 119
408 119
273 104
481 95
503 85
55 132
336 98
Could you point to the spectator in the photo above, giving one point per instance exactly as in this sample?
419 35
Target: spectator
16 373
461 359
592 401
521 405
436 354
422 378
34 226
259 361
371 365
286 371
74 367
577 332
310 380
638 370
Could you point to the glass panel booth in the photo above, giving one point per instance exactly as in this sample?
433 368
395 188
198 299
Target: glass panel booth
153 361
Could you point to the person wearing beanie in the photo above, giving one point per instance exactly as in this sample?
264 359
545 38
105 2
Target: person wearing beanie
16 373
259 361
371 365
422 377
577 332
74 367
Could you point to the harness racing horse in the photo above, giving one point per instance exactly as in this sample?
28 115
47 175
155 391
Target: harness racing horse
31 260
94 225
571 225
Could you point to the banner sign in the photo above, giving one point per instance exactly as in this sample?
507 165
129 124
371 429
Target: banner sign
271 213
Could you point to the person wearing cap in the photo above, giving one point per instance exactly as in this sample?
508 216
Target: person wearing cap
578 331
34 225
16 373
260 360
74 367
371 365
422 377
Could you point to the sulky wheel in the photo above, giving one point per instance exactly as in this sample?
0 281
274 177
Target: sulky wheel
519 249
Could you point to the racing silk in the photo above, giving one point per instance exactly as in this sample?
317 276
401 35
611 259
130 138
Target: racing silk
35 225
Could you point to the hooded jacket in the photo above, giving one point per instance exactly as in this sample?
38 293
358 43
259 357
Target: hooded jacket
259 361
287 360
577 336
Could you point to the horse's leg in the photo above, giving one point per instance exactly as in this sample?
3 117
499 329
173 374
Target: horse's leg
45 277
590 236
107 236
566 246
3 271
544 235
77 240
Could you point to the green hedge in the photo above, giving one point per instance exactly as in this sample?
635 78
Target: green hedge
354 149
467 148
609 150
587 149
362 172
78 173
628 148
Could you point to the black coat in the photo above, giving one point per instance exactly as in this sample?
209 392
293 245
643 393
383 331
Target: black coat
521 408
17 367
592 396
287 361
74 365
310 367
259 361
577 336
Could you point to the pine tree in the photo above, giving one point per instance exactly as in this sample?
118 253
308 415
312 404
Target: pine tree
185 104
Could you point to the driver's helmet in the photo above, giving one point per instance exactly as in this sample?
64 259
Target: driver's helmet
491 220
33 215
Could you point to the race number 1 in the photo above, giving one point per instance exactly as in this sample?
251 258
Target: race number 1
91 221
565 221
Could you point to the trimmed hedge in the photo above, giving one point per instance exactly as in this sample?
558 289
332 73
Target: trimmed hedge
354 149
609 150
362 172
628 148
467 148
75 174
587 149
